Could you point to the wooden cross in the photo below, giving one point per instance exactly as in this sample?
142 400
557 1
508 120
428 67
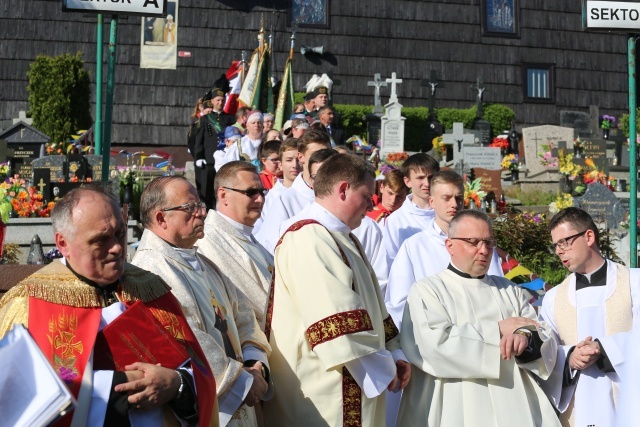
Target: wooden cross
393 80
377 83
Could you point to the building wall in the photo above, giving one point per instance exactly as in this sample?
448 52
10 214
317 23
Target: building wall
378 36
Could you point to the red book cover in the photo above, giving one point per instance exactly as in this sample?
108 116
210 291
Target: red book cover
137 336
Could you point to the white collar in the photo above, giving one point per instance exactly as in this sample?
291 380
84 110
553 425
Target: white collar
189 255
245 230
438 230
301 187
326 218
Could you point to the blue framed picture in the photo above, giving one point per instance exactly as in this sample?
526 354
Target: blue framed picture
500 18
309 13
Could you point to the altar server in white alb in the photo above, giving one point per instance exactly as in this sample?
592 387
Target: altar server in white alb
593 313
335 348
425 253
475 342
415 213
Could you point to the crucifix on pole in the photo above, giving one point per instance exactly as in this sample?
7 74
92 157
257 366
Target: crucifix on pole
434 84
480 87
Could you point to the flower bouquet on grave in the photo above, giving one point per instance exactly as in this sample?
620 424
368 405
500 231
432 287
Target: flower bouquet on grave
577 148
566 166
510 162
607 122
501 142
593 175
564 200
439 149
473 193
547 159
396 159
25 201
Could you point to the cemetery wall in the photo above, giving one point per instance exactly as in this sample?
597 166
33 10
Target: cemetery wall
384 36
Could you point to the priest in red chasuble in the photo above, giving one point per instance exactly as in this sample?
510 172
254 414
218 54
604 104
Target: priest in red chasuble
75 306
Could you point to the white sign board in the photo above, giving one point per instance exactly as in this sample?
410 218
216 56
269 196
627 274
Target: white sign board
483 157
118 7
610 15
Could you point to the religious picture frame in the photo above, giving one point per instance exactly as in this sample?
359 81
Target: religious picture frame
310 13
500 18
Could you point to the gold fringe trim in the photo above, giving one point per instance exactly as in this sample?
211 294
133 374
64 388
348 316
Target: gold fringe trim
55 283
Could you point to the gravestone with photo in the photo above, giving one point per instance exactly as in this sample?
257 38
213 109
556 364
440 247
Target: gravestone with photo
535 138
490 180
392 133
600 202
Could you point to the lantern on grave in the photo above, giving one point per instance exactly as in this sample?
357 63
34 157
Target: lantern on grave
36 254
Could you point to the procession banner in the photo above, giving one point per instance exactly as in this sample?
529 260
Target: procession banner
159 40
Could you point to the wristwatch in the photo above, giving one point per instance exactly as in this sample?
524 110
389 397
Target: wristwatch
181 388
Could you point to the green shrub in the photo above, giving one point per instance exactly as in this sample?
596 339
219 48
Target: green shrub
59 94
530 197
623 123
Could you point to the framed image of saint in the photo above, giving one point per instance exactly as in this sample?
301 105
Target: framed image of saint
500 18
309 13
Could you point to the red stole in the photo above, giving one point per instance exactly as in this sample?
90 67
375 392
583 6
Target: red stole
66 335
268 179
378 213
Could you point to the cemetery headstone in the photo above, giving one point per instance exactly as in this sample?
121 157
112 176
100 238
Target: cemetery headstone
490 180
95 165
434 130
578 120
392 133
600 202
42 181
54 164
534 139
377 83
76 166
483 157
458 139
596 149
23 157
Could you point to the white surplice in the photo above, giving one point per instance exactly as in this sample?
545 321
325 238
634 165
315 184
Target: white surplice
285 205
595 391
421 255
451 335
408 220
271 195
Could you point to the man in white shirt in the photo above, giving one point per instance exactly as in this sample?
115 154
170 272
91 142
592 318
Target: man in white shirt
425 254
415 213
288 203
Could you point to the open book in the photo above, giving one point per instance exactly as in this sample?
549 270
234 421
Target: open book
31 393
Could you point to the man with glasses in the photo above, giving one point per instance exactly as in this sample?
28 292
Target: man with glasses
591 312
475 342
228 240
222 319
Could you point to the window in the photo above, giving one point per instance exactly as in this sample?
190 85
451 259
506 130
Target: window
538 83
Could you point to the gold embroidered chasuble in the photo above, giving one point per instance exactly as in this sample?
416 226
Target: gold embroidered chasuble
327 311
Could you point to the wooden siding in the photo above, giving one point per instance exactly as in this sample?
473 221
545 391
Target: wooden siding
384 36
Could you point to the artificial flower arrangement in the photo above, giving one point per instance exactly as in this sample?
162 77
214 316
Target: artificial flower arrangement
607 122
566 166
510 162
396 159
472 192
594 175
546 158
439 148
564 200
25 201
501 142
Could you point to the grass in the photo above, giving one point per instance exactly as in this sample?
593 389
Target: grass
530 197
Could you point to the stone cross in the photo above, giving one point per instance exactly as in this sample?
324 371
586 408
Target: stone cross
480 87
393 80
377 83
458 139
433 83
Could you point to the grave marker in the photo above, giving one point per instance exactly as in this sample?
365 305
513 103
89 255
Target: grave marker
457 139
392 133
534 138
601 204
491 180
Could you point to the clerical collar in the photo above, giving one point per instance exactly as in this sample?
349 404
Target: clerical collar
463 274
595 278
189 255
323 216
245 230
108 292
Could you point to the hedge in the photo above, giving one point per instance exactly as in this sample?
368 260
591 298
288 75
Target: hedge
352 118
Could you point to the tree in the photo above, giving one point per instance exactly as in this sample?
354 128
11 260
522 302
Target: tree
59 94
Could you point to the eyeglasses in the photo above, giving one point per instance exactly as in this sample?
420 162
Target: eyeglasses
251 192
489 243
191 207
565 243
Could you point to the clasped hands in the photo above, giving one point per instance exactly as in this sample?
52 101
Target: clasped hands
584 354
512 344
149 386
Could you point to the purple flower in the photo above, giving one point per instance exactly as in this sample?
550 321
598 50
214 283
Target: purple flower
67 374
385 169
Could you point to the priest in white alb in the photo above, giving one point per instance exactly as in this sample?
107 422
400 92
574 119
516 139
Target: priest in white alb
592 313
335 348
475 342
425 253
224 324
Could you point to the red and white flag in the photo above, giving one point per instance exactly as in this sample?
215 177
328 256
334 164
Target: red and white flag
235 83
